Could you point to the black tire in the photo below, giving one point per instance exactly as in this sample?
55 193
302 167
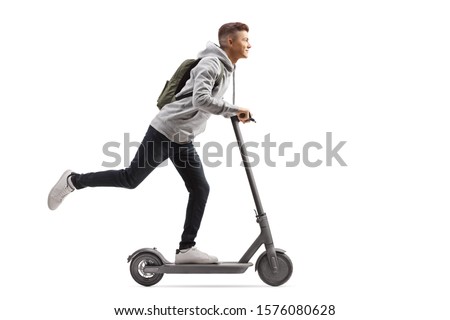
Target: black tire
285 269
137 269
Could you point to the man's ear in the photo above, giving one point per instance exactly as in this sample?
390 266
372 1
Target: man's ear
230 41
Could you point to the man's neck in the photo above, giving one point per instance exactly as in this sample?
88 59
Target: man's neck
230 56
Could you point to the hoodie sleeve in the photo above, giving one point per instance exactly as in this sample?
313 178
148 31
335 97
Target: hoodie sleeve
205 75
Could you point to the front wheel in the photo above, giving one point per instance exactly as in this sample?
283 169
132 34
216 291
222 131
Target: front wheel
285 269
137 269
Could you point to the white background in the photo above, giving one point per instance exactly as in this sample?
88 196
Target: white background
370 238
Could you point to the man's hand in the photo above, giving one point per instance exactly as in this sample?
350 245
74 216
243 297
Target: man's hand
244 115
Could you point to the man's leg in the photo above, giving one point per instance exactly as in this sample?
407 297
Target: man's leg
153 150
189 166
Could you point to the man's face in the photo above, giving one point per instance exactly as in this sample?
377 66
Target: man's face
240 45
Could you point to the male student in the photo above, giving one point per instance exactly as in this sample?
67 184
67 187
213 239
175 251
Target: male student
171 134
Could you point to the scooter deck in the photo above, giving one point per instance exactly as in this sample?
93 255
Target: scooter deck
221 267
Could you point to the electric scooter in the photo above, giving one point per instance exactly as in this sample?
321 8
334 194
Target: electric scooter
147 266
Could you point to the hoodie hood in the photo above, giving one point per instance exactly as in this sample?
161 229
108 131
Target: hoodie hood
213 50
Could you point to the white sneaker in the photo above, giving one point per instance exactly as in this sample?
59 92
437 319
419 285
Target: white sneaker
62 188
193 255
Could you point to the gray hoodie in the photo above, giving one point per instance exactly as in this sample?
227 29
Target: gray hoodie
180 121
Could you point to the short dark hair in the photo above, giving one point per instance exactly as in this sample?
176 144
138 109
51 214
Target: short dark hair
229 29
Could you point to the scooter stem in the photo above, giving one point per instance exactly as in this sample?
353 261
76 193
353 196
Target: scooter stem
265 236
247 165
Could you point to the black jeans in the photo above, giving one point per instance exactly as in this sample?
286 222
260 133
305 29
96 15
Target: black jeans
154 149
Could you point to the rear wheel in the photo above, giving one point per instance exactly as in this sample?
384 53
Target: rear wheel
137 269
285 269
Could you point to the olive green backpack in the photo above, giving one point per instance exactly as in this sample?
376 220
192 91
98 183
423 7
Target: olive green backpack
178 81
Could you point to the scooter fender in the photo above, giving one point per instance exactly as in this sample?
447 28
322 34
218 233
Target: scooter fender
149 250
263 254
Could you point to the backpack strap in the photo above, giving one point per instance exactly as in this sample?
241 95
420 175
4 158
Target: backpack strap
220 75
190 94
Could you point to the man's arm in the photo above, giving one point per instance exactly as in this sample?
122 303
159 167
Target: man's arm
205 76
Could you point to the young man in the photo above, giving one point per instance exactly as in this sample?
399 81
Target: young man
171 133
